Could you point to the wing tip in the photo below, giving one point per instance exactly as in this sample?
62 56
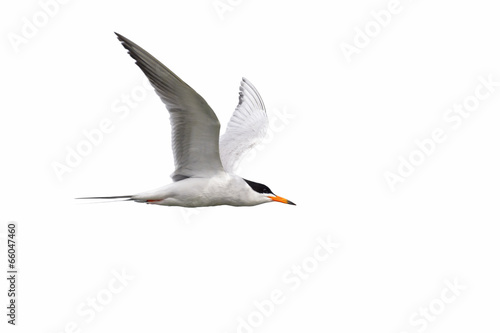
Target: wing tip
120 37
127 44
247 88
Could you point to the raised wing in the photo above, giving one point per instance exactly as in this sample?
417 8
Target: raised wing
195 127
247 127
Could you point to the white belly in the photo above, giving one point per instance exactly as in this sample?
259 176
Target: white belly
224 189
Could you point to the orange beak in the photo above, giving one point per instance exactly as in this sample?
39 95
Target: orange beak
280 199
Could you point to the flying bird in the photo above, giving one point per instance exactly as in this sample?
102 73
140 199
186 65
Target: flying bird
204 162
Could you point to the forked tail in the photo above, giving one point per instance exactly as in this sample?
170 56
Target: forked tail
117 198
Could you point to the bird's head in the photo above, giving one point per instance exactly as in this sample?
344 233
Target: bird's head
265 193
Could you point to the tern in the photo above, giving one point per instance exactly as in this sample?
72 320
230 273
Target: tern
204 163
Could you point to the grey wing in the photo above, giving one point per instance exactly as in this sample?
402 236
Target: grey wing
195 127
247 127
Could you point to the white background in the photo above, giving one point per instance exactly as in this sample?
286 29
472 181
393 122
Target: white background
348 125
